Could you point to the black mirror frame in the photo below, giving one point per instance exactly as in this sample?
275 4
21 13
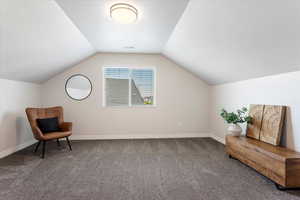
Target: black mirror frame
70 79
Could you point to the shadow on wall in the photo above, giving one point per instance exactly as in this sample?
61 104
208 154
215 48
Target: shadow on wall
14 130
23 130
288 138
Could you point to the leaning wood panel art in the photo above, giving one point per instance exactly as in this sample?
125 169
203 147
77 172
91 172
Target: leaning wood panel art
253 129
272 124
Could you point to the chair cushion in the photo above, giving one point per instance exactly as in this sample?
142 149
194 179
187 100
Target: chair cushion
48 125
56 135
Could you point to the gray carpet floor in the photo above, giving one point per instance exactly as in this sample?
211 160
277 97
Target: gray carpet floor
162 169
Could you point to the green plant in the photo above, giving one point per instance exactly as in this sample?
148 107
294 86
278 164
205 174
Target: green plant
241 116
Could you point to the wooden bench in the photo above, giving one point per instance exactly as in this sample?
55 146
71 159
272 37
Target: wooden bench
279 164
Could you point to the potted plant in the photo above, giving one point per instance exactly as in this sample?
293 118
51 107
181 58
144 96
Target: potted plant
234 119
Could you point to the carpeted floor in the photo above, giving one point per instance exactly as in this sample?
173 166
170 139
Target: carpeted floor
162 169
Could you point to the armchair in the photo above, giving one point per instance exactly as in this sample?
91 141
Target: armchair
40 113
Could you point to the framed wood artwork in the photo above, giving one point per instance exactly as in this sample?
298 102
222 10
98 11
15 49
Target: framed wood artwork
272 124
267 123
253 129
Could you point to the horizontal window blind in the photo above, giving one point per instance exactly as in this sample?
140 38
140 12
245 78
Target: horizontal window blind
142 86
128 87
116 86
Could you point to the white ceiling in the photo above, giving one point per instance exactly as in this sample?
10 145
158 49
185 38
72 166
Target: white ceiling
230 40
219 40
157 19
37 40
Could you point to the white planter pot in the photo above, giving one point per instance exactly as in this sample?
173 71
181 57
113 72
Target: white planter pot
235 129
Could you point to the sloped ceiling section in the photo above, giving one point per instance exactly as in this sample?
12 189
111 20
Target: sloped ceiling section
149 34
37 40
219 40
231 40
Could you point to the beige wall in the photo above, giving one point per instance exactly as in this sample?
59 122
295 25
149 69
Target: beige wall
15 132
282 89
186 106
182 101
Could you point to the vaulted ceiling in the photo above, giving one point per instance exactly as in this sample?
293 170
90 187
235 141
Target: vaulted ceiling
231 40
218 40
37 40
156 21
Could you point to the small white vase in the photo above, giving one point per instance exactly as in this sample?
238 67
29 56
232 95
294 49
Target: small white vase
235 129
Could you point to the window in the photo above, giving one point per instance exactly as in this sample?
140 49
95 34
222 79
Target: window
129 86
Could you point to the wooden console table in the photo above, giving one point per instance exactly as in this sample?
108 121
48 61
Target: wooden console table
279 164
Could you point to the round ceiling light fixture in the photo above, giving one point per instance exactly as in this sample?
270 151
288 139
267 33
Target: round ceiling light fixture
123 13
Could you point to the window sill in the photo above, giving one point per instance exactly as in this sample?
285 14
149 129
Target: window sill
122 107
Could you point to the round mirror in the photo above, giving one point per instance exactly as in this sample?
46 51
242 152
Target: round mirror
78 87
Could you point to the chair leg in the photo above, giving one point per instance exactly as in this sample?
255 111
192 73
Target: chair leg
44 147
69 143
58 143
37 146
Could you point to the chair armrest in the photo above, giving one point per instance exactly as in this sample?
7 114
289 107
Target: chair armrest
66 126
38 133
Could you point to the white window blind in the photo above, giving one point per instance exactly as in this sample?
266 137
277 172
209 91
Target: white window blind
128 87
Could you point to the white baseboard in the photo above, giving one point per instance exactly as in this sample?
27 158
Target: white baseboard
218 138
140 136
12 150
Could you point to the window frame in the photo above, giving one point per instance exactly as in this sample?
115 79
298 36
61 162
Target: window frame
129 93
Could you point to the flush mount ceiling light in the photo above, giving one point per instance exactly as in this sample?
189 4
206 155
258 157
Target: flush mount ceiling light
123 13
